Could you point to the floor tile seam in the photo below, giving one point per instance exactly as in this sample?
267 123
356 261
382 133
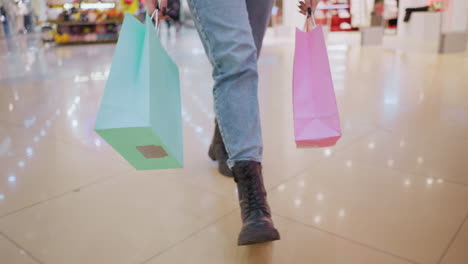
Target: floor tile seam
370 164
355 242
355 141
453 239
73 143
17 245
417 174
13 124
42 77
292 177
20 126
425 139
208 190
194 233
69 143
197 187
62 194
367 163
307 167
57 138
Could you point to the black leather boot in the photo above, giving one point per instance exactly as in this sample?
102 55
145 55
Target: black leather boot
256 217
217 152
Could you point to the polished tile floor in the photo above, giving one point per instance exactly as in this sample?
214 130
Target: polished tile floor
393 190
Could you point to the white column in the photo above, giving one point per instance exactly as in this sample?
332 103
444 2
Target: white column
408 3
291 17
455 17
422 32
40 8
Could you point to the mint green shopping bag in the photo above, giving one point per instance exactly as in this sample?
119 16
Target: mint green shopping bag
140 111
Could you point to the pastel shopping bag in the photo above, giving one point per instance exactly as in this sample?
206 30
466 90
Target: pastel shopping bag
316 118
140 111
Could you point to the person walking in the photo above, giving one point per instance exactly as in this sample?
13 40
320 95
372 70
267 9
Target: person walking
232 33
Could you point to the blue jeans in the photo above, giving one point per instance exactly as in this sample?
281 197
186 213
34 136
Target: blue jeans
232 33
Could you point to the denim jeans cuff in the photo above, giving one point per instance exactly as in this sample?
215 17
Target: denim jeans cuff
231 163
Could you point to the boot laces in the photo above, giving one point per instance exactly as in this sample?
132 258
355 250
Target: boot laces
255 199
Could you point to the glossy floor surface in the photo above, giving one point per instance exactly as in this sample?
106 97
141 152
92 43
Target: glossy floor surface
394 190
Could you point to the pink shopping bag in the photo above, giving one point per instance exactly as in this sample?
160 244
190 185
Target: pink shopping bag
316 118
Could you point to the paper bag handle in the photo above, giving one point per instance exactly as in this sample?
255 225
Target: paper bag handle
310 21
155 15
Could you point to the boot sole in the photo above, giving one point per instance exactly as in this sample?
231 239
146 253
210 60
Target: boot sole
258 236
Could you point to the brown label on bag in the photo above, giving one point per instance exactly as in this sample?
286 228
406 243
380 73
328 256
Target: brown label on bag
152 151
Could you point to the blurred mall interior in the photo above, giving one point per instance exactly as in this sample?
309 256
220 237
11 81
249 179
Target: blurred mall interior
394 189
